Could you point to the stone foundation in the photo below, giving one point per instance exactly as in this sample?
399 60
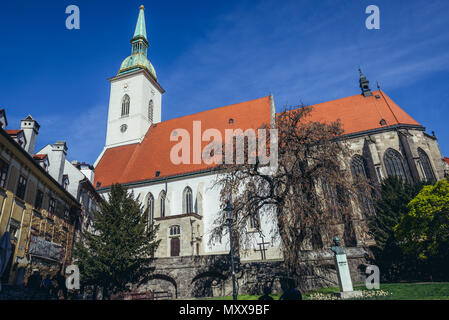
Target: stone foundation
210 276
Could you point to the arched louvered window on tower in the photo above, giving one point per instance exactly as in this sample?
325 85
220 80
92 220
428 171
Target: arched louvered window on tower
150 207
150 111
394 164
125 105
187 200
426 166
359 169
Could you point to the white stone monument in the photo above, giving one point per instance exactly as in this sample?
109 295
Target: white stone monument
344 277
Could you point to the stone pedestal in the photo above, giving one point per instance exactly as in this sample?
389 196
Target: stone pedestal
344 277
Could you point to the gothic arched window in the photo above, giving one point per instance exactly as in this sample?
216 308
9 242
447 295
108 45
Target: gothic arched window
254 221
125 105
162 197
187 200
150 207
394 164
359 169
150 111
426 166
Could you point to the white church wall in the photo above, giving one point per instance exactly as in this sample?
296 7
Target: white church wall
209 210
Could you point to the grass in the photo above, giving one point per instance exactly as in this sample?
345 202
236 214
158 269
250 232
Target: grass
399 291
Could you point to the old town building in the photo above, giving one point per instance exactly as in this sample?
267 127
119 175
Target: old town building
37 213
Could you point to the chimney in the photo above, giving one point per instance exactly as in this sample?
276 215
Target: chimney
57 160
30 129
88 171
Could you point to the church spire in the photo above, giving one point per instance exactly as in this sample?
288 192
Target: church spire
141 30
139 47
364 85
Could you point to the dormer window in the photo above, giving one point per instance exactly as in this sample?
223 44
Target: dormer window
65 182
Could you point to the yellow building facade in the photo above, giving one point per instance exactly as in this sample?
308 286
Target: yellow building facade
37 212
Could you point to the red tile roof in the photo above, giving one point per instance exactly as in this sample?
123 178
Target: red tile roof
13 132
39 156
139 162
358 113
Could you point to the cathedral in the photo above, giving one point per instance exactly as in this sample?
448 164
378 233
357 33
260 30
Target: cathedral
182 198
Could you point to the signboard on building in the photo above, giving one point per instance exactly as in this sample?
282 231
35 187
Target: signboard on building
46 249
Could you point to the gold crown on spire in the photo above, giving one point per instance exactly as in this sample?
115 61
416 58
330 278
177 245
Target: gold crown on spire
142 7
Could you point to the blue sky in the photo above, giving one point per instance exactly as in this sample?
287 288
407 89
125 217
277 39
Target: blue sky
212 53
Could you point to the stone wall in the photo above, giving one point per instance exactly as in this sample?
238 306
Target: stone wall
207 276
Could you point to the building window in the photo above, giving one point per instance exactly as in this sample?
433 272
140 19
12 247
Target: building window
39 200
329 192
150 207
162 204
150 111
51 206
14 227
175 230
254 221
21 187
359 169
125 105
187 200
394 164
65 182
3 173
426 166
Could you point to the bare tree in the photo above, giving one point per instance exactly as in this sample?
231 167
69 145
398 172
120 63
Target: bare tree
309 197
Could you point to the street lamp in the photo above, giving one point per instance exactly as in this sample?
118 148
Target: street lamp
229 209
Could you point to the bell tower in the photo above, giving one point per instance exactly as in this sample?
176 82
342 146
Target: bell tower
136 96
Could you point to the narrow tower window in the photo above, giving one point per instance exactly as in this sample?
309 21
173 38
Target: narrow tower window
150 111
125 105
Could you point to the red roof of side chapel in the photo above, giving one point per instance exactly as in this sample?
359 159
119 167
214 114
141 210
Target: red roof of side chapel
139 162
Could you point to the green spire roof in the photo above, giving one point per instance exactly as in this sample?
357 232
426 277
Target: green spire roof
141 30
139 45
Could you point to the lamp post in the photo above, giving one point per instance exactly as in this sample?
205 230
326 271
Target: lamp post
229 209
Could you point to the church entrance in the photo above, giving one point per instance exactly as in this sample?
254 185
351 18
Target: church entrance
174 247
